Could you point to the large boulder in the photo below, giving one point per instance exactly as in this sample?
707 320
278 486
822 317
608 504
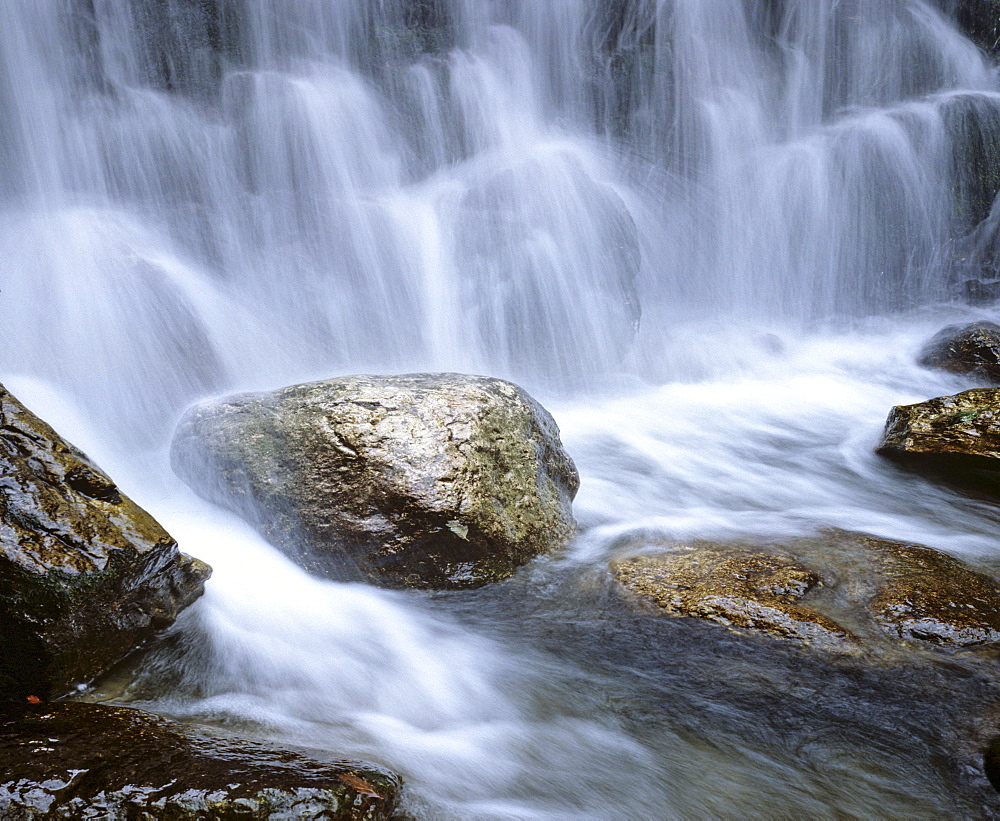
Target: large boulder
79 760
837 590
422 480
86 575
972 349
954 438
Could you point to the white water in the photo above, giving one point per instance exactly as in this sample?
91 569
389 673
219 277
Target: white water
709 235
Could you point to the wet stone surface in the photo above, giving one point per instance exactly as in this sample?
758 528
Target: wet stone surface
804 589
950 438
94 761
423 480
85 574
966 349
734 586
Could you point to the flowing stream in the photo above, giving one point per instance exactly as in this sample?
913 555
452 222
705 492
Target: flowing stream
709 235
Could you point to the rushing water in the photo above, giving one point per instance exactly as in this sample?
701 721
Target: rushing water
710 235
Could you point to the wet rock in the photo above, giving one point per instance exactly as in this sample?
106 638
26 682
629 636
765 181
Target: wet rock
926 595
94 761
422 480
832 590
967 349
85 574
980 22
951 438
736 585
973 124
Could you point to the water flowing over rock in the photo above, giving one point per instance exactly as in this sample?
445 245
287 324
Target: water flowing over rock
735 587
980 20
968 349
423 480
85 574
837 591
955 438
94 761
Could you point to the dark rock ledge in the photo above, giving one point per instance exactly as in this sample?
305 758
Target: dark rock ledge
80 760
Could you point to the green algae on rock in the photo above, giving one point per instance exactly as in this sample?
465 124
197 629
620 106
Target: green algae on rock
422 480
835 590
76 760
86 575
954 438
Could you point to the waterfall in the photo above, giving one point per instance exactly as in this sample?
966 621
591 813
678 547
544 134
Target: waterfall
709 234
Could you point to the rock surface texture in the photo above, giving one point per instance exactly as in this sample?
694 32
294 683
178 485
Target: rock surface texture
733 585
955 438
85 574
968 349
836 590
93 761
422 480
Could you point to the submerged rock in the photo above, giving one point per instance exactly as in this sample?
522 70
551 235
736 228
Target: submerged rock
836 590
423 480
967 349
85 574
94 761
953 438
927 595
733 585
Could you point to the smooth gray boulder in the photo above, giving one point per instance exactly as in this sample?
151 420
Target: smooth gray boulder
86 575
422 480
77 760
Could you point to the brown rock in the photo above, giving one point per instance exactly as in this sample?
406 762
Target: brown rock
95 761
955 438
970 349
86 575
737 585
833 589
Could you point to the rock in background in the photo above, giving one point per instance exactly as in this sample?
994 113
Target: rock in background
86 575
966 349
422 480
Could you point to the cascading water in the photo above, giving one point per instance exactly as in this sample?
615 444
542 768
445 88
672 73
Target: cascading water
708 234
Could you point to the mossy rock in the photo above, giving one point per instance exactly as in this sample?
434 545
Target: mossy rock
78 760
422 480
951 438
837 590
86 575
